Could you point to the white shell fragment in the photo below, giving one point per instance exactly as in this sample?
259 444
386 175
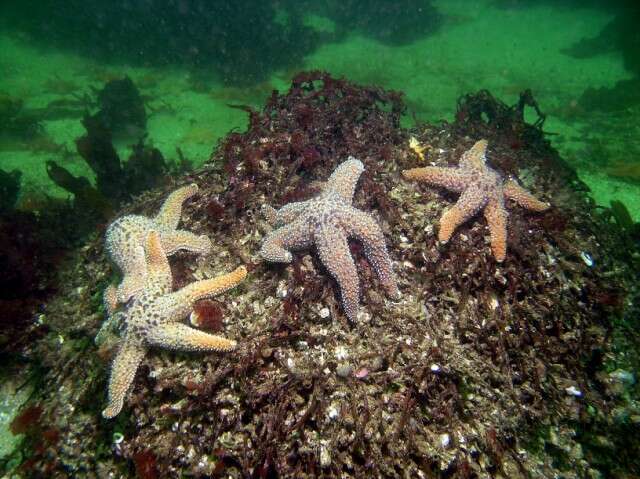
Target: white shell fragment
587 258
573 391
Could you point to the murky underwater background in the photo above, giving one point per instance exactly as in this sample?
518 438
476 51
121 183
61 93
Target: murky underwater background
190 60
194 64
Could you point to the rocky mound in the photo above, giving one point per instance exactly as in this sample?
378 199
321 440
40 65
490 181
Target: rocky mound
480 369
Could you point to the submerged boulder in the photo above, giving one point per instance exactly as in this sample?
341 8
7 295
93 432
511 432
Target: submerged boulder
480 369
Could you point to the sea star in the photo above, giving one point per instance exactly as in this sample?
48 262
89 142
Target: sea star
126 235
152 320
328 221
483 189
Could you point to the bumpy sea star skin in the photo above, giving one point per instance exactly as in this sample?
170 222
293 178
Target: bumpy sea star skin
152 320
328 221
110 303
126 235
482 188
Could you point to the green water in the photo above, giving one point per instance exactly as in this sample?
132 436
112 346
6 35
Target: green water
501 46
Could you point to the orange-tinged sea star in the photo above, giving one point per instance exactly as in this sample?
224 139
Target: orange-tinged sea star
152 319
126 235
481 188
328 221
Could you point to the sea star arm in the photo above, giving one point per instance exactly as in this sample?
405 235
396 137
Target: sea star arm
335 255
467 205
365 229
277 244
475 158
110 328
181 337
171 210
110 299
345 178
496 217
173 241
123 371
158 270
450 178
134 274
180 302
287 214
110 302
517 193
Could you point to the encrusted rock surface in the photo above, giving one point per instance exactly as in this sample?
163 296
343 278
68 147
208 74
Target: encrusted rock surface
481 369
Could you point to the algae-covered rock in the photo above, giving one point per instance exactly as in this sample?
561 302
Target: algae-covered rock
480 369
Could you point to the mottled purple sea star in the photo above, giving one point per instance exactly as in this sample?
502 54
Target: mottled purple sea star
328 221
152 319
126 235
481 188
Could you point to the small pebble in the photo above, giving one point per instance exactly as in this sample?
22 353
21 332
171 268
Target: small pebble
586 257
325 455
493 303
332 412
341 353
282 291
573 391
291 364
344 370
377 364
